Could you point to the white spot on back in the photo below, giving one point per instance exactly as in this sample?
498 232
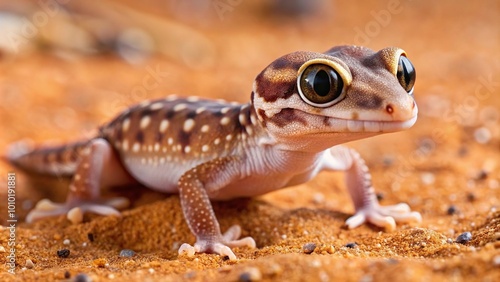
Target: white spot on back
229 137
164 125
156 106
192 99
157 147
145 120
187 149
188 125
205 128
217 141
225 121
180 107
136 147
125 145
170 141
200 110
205 148
145 103
242 119
125 124
225 110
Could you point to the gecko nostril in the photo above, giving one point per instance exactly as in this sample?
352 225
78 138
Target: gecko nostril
389 109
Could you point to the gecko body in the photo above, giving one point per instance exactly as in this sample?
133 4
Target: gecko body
302 107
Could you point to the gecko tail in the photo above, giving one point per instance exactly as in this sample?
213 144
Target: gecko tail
48 160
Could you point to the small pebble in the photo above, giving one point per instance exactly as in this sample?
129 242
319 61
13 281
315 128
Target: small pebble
482 135
387 160
427 178
250 274
380 196
308 248
2 249
482 175
82 278
90 236
100 262
471 197
352 245
496 260
463 151
318 198
64 253
67 275
66 242
127 253
426 145
29 264
452 210
464 238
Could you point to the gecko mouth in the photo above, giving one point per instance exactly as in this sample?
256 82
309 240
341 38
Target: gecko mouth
363 126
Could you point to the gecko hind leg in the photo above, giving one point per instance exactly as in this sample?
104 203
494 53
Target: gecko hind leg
98 166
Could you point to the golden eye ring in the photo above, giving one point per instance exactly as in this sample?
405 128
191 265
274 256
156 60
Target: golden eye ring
320 84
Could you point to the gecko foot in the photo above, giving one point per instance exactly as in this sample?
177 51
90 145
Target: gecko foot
383 216
222 246
75 209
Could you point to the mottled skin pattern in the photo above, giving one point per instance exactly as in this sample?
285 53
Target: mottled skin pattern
206 150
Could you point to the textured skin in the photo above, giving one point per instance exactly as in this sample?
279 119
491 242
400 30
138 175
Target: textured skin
207 149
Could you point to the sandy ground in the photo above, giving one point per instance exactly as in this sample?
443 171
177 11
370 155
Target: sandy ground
446 167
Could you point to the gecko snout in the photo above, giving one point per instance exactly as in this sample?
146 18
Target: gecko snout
401 113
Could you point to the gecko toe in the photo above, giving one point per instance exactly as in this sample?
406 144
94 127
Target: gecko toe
75 209
383 216
187 250
233 233
224 250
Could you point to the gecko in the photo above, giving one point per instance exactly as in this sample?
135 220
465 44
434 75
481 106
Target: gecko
302 108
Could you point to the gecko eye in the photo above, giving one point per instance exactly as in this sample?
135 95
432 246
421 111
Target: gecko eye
320 85
406 74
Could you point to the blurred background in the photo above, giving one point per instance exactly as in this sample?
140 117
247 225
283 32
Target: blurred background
67 66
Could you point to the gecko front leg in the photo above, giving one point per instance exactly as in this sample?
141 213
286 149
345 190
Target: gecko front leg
198 211
358 180
98 165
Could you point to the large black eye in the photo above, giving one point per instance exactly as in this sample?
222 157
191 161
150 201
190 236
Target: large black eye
406 74
320 85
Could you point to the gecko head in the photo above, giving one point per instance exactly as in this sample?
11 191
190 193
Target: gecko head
347 93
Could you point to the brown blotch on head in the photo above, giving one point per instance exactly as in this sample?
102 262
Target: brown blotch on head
262 115
373 102
286 116
286 62
273 90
